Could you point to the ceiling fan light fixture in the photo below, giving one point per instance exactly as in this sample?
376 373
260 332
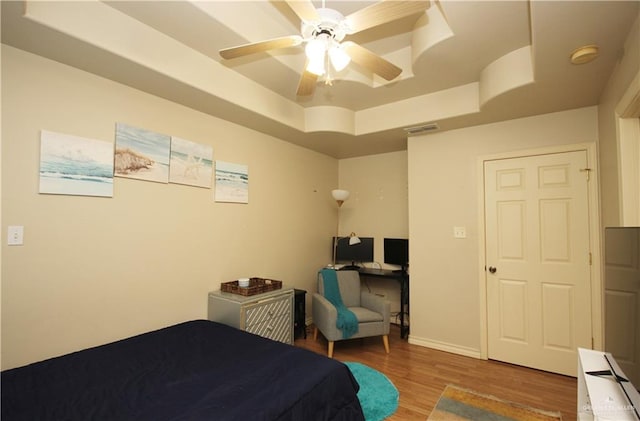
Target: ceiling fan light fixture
323 30
315 49
316 65
339 58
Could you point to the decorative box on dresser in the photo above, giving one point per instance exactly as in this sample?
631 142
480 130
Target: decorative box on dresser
269 314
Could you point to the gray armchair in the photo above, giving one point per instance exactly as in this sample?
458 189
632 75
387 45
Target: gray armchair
372 311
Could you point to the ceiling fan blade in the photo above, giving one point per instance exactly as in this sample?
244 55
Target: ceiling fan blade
261 46
383 12
305 10
371 61
307 84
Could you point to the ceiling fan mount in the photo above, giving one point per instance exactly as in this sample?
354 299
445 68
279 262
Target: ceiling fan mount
324 29
330 23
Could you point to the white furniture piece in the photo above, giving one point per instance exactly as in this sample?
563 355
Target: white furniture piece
603 390
269 315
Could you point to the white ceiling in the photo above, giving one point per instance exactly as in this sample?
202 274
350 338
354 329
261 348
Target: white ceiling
464 62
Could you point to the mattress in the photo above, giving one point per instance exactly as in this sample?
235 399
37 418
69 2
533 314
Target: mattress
197 370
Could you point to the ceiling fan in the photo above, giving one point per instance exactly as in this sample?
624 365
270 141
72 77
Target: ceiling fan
323 29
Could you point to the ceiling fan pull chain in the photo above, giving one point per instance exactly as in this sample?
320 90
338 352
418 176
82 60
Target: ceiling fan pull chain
327 80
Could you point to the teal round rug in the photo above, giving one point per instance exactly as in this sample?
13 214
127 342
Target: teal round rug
378 396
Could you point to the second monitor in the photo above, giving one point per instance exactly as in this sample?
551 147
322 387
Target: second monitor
396 252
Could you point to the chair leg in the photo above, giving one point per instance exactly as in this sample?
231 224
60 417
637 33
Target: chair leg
315 333
330 353
385 340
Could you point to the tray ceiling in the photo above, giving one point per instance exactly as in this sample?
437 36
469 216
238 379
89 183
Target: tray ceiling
464 62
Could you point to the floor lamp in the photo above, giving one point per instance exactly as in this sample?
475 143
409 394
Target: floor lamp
340 196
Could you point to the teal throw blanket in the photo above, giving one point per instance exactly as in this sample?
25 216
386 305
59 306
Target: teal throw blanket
347 321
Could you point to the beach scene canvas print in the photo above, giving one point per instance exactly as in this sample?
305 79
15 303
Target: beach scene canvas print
75 165
191 163
232 182
141 154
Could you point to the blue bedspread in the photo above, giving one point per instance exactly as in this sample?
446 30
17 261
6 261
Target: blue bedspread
198 370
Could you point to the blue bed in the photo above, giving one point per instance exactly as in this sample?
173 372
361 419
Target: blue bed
197 370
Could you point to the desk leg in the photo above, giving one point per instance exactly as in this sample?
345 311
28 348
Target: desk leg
406 329
404 307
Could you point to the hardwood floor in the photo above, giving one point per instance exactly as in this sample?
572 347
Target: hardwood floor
421 374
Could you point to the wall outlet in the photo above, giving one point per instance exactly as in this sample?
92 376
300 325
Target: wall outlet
459 232
15 235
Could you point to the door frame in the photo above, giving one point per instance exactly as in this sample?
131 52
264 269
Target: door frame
628 142
595 234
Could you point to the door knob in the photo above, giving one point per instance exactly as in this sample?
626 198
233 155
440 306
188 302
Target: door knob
492 269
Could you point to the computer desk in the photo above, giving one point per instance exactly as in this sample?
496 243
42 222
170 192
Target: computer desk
403 278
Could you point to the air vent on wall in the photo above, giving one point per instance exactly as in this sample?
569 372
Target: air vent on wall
421 129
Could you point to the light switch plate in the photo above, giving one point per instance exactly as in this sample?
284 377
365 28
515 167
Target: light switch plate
15 235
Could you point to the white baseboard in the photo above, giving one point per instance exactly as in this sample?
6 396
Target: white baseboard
444 346
440 346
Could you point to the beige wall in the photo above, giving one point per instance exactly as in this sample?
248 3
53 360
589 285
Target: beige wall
444 273
443 193
93 270
377 207
628 67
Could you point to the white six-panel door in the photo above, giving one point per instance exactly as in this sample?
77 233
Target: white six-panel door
537 258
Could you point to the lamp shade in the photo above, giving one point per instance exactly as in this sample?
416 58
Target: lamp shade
315 49
354 239
339 58
316 66
341 195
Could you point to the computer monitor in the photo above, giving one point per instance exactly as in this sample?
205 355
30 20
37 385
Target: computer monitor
396 252
353 254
